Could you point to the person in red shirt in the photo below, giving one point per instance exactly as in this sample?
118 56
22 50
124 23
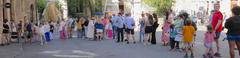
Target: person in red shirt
217 20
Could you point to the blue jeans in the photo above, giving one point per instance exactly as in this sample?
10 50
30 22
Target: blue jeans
114 32
80 33
141 36
47 36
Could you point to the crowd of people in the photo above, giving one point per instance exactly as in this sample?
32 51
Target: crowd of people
178 31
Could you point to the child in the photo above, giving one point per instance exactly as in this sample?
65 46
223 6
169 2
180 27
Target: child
173 34
99 29
188 34
165 33
208 42
109 30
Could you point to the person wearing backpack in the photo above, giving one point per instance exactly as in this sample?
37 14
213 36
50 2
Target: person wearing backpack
29 29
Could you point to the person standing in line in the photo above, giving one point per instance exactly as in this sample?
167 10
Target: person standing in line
130 24
217 20
148 29
211 17
178 23
85 24
114 24
173 33
29 29
104 23
80 27
120 25
233 33
42 34
47 31
208 42
90 28
20 30
109 30
14 34
35 32
141 23
51 26
99 29
62 29
165 33
155 26
188 37
70 27
5 33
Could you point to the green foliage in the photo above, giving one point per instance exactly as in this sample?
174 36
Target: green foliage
41 5
58 5
75 7
161 6
99 6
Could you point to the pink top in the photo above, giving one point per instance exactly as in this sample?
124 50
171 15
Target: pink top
166 26
209 37
104 22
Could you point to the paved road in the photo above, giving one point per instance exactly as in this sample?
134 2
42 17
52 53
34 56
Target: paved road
79 48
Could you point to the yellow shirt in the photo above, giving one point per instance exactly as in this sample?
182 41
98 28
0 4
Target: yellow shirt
188 33
79 25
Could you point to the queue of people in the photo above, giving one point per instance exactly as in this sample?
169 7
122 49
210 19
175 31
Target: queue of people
178 31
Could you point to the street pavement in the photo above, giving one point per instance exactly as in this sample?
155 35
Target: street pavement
80 48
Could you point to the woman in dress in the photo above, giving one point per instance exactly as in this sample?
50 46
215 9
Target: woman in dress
90 28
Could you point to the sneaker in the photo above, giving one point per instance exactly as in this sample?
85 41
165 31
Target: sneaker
192 55
217 54
127 42
134 42
185 56
204 56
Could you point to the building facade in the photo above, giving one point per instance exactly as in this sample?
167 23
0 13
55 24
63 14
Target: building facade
17 10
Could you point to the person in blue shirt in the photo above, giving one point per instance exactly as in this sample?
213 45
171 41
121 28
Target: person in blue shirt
141 23
173 44
114 25
129 24
119 24
99 29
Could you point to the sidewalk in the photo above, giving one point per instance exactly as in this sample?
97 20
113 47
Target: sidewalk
11 51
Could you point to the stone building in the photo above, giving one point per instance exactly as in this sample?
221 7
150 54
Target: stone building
17 10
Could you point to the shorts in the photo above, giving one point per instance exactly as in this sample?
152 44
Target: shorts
188 45
130 31
148 29
233 37
99 30
208 45
217 35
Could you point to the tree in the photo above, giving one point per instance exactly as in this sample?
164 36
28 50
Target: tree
41 5
84 7
161 6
